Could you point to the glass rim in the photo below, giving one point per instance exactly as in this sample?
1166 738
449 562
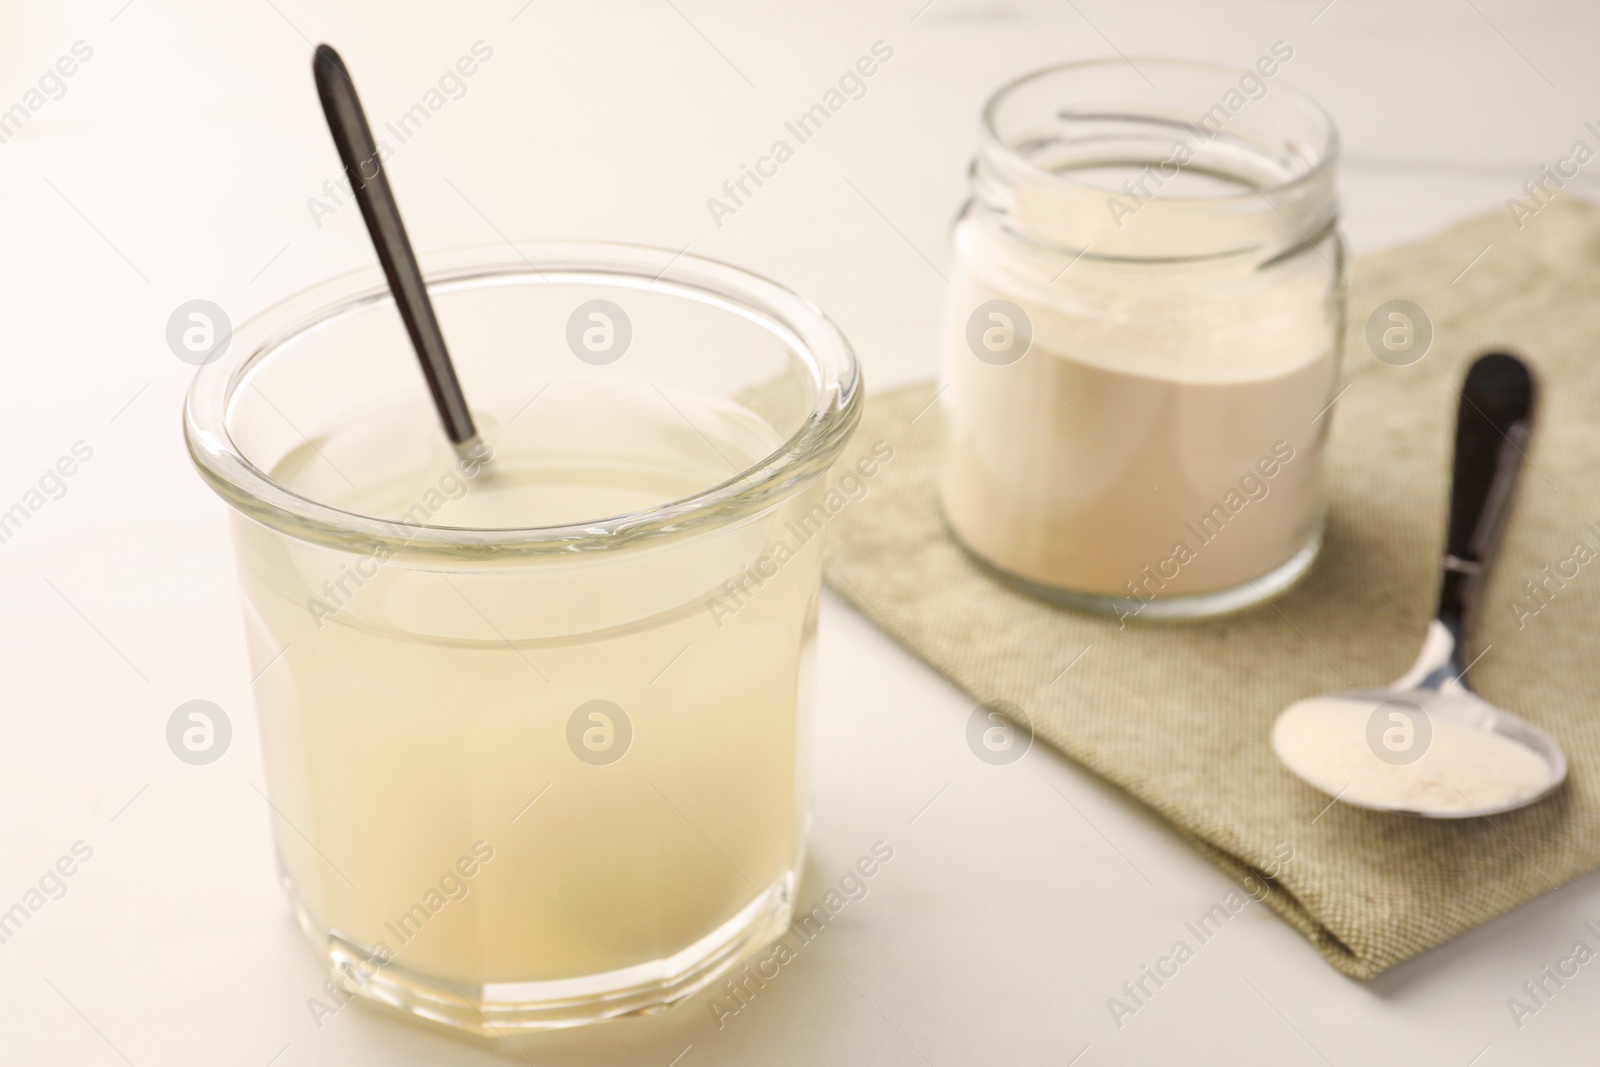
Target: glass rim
991 143
803 456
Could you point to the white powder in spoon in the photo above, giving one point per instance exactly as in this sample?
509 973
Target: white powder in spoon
1438 766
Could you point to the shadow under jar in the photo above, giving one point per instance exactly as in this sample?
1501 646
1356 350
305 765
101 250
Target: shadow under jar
536 733
1142 336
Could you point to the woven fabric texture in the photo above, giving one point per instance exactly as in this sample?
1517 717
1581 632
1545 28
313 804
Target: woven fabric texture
1179 714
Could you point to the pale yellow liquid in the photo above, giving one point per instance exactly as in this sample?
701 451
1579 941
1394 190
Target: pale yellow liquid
426 714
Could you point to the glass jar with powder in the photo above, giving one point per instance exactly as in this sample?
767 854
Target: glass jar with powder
1142 336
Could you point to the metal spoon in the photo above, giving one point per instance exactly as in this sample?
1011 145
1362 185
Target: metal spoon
1492 429
363 166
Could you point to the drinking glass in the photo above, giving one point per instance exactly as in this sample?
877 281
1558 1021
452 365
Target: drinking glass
536 722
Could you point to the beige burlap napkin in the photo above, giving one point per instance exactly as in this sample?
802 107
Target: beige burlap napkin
1179 715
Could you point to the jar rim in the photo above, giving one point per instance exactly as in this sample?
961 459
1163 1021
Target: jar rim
804 456
991 141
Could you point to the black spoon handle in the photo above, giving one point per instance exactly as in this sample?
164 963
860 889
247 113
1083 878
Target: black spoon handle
1492 430
359 154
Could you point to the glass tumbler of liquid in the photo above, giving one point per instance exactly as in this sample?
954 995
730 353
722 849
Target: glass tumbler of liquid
1142 336
535 723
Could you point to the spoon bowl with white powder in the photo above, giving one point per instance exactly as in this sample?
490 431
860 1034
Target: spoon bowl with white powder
1428 745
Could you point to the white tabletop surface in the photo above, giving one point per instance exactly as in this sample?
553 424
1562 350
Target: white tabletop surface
178 164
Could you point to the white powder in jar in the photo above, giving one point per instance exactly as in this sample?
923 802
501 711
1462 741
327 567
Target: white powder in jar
1159 437
1433 764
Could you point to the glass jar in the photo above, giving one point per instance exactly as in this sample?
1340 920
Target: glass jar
1142 336
536 730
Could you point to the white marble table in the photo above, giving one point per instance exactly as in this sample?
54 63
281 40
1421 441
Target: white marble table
177 163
